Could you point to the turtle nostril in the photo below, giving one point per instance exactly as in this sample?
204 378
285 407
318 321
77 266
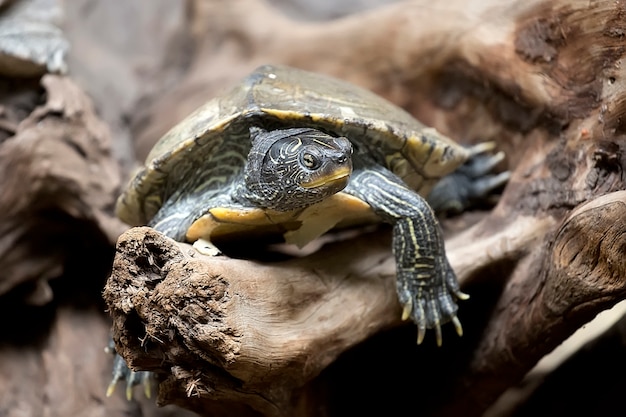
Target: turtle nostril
341 158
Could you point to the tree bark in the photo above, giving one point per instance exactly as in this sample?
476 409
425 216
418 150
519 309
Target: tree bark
542 79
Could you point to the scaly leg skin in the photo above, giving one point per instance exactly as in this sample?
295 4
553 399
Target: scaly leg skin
122 371
426 284
471 184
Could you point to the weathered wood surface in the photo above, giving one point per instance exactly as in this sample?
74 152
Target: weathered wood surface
542 79
56 173
238 333
246 333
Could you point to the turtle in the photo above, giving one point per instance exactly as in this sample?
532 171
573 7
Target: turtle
298 153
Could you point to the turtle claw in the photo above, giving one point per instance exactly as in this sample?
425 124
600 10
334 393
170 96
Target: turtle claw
407 309
457 325
438 335
421 332
122 371
129 392
460 295
132 379
432 308
421 326
137 378
111 387
147 386
482 147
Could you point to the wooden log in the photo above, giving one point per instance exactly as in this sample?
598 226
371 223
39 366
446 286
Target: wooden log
229 334
245 333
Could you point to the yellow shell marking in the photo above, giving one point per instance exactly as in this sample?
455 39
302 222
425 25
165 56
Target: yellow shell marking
321 217
434 161
299 227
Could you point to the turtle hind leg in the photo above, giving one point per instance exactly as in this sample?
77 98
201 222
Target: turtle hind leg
473 184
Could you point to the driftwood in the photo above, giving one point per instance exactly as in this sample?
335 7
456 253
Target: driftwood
542 79
238 333
261 323
61 151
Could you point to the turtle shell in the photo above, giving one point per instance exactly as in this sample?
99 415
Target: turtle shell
212 144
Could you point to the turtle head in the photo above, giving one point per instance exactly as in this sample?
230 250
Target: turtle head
293 168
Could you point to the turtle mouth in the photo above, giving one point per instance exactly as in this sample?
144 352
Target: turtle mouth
339 175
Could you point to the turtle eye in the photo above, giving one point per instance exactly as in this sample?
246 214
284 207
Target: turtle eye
309 160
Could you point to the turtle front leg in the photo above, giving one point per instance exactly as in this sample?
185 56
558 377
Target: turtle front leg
427 286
